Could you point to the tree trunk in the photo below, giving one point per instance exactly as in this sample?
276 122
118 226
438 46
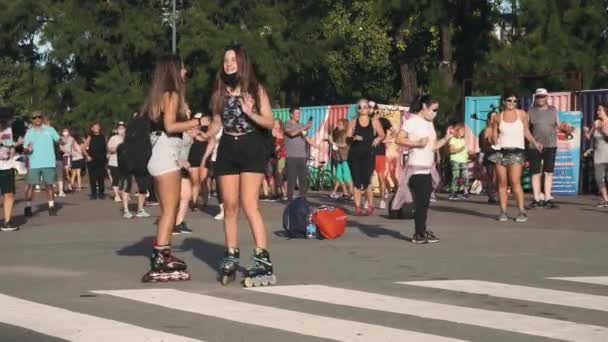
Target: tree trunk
446 66
409 84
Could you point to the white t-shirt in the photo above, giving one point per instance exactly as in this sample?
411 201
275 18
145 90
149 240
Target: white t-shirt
418 128
114 142
6 143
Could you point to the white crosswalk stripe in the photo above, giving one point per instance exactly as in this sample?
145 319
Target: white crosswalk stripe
73 326
287 320
588 280
527 293
519 323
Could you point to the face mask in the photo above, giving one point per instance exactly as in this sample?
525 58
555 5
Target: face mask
205 129
231 80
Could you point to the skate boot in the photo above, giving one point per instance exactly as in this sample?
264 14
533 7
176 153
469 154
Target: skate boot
165 267
260 273
230 264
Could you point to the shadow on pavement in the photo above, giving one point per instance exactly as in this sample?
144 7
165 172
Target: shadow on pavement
208 252
141 248
374 231
460 211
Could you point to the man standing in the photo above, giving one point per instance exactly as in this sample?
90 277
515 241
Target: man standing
295 146
544 122
39 144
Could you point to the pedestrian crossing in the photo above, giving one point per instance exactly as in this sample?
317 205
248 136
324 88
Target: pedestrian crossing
74 326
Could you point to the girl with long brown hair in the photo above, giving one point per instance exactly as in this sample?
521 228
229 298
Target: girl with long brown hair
167 111
241 106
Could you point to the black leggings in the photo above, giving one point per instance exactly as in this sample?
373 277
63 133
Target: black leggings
115 175
97 173
361 168
421 187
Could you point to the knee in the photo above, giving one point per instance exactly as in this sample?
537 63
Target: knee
231 208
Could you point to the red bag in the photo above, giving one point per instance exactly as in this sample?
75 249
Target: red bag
330 221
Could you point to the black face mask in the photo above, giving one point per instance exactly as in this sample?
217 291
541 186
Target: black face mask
231 80
205 129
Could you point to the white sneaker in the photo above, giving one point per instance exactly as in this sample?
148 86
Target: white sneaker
220 216
142 214
127 215
382 204
61 194
117 199
365 205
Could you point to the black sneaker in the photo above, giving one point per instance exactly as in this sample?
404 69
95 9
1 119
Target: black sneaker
93 197
419 239
183 228
9 227
27 212
550 205
176 231
52 211
430 237
536 205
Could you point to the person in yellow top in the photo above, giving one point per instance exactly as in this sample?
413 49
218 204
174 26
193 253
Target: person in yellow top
459 156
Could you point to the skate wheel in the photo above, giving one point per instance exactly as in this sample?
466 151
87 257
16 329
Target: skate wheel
272 280
226 279
248 282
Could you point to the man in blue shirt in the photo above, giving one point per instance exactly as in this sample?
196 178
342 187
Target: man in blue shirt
39 145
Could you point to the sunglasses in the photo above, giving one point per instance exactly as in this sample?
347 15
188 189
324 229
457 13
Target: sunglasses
511 101
364 107
36 117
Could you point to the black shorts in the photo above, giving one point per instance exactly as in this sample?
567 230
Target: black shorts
144 182
7 181
241 154
115 173
77 164
547 157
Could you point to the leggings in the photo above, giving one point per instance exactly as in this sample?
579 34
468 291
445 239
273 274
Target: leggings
343 172
600 174
97 170
362 167
115 175
460 177
421 187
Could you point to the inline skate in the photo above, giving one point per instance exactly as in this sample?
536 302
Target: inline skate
165 267
230 264
261 272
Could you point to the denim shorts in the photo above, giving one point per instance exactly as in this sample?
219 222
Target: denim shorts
165 154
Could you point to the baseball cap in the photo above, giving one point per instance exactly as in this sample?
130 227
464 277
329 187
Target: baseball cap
541 92
120 123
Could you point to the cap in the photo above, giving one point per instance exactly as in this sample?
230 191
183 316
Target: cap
120 123
372 104
541 92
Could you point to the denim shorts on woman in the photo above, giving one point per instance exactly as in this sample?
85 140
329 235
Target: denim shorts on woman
241 154
165 153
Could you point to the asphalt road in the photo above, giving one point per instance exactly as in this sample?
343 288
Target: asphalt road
77 277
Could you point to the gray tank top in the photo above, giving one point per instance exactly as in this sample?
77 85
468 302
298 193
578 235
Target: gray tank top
600 149
543 123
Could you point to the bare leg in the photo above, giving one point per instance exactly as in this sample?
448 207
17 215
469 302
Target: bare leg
501 174
168 191
250 187
9 201
196 185
536 186
186 195
515 171
230 192
548 185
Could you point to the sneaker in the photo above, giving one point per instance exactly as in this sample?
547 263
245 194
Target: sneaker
452 197
93 197
52 211
365 205
176 231
220 216
382 204
193 206
536 204
430 237
61 194
464 196
502 217
142 214
8 227
117 199
183 228
127 215
603 204
550 205
492 200
522 217
419 239
27 212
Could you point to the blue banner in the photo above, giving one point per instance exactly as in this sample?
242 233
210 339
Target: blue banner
567 161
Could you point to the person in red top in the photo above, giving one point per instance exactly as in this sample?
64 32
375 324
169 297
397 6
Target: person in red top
281 154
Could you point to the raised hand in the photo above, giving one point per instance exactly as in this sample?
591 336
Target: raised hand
247 103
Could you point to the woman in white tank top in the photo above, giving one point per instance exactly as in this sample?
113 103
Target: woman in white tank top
509 130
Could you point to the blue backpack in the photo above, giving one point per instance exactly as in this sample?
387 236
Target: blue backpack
295 217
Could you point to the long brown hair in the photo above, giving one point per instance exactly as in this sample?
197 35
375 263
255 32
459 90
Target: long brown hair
247 80
166 78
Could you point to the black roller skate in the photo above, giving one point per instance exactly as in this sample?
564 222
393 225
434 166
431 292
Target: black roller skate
260 273
230 264
165 267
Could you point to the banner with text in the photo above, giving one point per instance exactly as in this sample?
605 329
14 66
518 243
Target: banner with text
567 161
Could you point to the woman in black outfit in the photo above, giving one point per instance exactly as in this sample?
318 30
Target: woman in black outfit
96 154
361 158
241 106
198 160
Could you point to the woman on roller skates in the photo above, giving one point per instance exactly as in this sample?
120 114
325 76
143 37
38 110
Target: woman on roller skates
167 111
240 105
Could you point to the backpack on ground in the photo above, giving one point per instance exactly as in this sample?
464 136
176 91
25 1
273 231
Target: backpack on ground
406 212
330 221
295 217
135 151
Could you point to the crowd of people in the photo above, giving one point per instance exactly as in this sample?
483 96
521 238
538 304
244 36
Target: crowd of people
242 154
